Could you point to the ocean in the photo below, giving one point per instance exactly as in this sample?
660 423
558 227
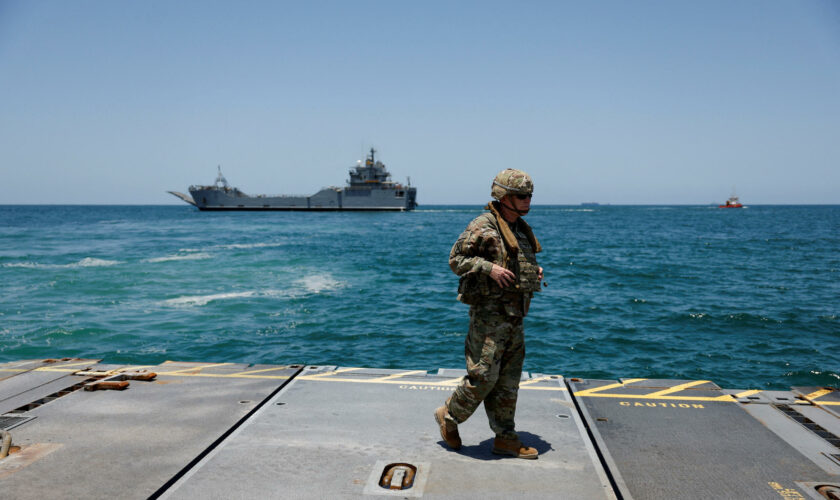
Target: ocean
747 298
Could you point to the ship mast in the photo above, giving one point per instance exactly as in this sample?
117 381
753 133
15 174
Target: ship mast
220 179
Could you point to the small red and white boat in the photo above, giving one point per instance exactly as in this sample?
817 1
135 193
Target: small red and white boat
732 202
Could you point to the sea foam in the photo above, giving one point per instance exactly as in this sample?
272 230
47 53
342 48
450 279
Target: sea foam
86 262
200 300
317 283
189 256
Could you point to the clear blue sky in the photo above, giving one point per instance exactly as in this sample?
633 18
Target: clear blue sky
615 102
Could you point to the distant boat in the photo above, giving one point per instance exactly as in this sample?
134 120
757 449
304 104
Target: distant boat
732 202
590 204
369 188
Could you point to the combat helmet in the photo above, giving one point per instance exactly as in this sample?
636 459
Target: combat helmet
511 181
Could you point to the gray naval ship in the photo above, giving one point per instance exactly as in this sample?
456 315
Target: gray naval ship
370 188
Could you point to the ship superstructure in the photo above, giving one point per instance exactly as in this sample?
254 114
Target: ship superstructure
369 188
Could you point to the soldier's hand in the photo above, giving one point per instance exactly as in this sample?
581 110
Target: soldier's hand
503 277
541 274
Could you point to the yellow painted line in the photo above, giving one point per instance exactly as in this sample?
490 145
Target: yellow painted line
63 367
399 375
181 373
587 392
817 394
198 368
535 380
452 382
16 370
678 388
723 398
746 393
262 371
447 383
319 376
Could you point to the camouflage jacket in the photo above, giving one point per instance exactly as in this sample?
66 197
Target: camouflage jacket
472 257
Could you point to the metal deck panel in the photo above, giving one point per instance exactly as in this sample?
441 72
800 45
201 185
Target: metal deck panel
827 398
29 377
13 368
663 447
38 392
129 443
821 417
325 433
749 396
797 436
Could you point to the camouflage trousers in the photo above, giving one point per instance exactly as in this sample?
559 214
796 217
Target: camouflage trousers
495 351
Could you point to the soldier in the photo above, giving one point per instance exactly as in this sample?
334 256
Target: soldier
499 274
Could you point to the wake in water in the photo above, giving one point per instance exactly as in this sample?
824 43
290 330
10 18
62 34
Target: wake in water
86 262
308 285
200 300
318 283
189 256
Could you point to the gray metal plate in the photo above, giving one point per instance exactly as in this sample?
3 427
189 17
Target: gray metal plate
38 392
129 443
30 381
822 417
805 441
688 445
9 422
324 435
825 397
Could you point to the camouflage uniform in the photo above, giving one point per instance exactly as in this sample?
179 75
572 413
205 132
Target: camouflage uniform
494 347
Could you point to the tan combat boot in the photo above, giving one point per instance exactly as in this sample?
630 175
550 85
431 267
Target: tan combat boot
448 429
514 448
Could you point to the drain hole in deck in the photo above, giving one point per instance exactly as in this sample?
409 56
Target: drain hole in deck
399 476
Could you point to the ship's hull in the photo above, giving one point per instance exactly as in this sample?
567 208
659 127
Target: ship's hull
326 200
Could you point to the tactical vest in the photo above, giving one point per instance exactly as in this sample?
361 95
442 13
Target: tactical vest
528 272
476 287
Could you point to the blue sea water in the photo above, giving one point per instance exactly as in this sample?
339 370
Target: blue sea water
747 298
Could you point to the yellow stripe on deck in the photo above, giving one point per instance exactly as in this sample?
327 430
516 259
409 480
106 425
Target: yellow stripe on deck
677 388
588 392
399 375
746 393
664 394
194 368
396 379
262 371
320 376
818 394
63 368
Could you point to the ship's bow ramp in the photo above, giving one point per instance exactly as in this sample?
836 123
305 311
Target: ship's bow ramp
336 433
228 430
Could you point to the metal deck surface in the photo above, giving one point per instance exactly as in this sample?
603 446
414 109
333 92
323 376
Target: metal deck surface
331 432
129 443
224 430
667 439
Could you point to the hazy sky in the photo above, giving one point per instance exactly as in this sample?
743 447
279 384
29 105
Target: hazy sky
616 102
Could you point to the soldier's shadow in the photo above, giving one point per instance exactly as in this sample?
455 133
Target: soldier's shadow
483 450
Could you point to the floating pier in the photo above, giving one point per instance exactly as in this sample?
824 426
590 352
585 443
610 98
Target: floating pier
83 429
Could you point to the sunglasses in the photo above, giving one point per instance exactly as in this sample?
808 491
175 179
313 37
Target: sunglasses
524 196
